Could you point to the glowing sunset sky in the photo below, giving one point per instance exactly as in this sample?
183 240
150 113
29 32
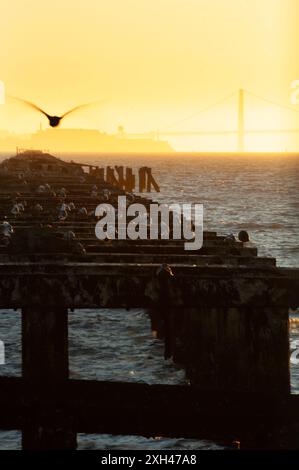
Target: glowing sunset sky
156 61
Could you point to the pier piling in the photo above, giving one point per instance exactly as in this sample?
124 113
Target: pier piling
222 312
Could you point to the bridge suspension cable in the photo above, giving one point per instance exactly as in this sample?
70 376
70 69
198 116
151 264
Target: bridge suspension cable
240 130
202 111
279 105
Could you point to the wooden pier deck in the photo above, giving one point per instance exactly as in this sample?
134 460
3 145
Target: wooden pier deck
223 316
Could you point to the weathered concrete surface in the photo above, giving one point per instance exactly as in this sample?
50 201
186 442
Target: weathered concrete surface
88 285
244 348
143 258
223 315
45 343
45 361
257 420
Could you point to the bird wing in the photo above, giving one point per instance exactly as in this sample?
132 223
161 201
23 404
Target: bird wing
32 105
76 108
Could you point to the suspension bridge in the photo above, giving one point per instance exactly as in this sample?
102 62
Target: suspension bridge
240 131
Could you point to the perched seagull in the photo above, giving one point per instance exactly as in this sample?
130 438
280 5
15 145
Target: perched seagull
243 236
54 121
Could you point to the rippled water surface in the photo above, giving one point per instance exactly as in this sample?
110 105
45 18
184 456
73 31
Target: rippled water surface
256 194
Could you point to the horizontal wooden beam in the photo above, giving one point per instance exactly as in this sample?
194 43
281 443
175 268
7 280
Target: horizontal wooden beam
148 410
144 258
90 285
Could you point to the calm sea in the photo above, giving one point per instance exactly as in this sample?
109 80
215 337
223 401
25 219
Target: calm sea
257 194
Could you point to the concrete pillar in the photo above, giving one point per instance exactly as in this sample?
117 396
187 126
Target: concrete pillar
129 180
45 370
243 349
120 173
151 182
142 179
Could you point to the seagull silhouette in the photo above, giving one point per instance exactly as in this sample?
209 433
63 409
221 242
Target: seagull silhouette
54 121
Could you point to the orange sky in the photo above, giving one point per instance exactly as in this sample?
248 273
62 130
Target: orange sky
157 61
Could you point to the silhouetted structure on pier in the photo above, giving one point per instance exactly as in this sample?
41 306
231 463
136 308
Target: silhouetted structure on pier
222 311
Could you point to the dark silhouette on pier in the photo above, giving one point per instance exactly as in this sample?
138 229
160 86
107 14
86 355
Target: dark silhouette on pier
219 311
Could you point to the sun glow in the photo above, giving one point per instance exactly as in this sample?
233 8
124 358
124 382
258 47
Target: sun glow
2 92
155 63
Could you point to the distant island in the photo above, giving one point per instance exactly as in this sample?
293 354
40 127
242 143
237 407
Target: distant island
82 140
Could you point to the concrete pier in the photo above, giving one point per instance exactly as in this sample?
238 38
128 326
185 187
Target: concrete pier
222 312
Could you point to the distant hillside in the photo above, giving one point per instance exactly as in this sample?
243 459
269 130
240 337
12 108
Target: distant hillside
83 140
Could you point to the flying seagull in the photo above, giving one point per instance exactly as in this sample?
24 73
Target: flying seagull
54 121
